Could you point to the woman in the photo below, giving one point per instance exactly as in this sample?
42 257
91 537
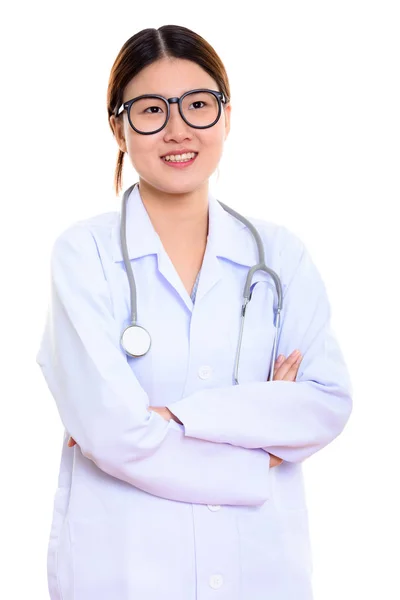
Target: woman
168 488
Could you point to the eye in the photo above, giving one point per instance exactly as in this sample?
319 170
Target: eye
198 102
153 112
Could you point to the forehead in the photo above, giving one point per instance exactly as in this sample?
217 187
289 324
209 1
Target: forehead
169 77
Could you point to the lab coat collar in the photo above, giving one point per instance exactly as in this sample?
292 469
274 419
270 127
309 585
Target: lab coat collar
225 239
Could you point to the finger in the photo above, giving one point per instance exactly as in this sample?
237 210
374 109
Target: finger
293 370
291 374
278 371
71 442
278 362
287 365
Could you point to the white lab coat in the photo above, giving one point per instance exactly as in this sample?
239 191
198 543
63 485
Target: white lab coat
149 509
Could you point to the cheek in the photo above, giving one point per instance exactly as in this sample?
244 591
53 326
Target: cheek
213 136
211 144
142 152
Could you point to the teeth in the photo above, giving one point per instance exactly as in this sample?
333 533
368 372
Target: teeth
180 157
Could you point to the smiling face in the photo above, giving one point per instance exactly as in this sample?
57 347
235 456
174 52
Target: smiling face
170 77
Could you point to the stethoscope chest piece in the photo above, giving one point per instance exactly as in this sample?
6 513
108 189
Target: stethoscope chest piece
135 340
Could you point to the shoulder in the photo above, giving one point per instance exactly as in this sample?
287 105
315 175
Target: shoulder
86 234
282 245
85 245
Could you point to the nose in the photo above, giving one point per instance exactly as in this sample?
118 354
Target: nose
176 127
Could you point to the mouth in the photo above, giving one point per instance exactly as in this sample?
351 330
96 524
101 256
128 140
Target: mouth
185 161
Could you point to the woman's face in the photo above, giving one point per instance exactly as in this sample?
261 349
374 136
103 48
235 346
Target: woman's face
171 77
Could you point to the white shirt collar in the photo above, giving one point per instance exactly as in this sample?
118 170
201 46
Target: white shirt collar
226 237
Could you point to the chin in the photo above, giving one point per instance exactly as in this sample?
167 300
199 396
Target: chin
174 185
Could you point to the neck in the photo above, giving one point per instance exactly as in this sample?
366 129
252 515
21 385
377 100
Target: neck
184 214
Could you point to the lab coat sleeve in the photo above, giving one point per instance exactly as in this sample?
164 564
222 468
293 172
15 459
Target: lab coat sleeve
105 409
291 420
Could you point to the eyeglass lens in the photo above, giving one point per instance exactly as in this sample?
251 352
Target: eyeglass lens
149 114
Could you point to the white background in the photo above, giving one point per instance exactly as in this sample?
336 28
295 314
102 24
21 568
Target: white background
314 145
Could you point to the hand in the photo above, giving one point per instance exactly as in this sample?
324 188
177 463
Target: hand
285 370
165 413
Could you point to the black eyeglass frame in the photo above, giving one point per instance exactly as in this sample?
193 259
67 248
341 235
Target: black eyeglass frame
168 101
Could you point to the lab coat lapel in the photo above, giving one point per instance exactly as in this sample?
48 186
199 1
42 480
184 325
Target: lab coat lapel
142 240
211 270
226 240
222 242
141 237
230 240
168 271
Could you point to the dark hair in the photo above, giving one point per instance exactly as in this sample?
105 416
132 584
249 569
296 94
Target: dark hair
148 46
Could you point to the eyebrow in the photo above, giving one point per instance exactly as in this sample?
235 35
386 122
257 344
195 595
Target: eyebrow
176 96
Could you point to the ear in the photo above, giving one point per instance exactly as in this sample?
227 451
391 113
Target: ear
117 126
227 111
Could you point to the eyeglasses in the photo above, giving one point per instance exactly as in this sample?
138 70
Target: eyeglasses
150 113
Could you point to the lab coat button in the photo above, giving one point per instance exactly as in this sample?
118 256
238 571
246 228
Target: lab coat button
213 507
204 372
216 581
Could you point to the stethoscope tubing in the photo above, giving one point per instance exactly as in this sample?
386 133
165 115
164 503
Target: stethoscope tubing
260 266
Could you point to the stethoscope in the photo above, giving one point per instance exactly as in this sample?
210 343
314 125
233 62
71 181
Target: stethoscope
136 340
